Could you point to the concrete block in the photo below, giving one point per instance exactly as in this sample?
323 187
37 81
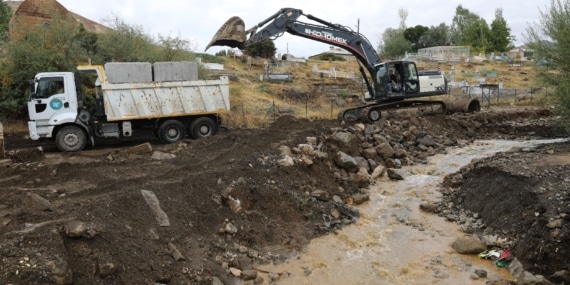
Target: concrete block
128 72
175 71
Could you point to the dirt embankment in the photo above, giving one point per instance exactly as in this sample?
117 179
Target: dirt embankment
188 213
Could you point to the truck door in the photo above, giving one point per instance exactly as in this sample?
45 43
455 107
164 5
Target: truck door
50 97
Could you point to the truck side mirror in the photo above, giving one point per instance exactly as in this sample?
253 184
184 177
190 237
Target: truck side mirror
32 88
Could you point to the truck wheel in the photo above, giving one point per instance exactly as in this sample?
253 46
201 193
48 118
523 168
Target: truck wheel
171 131
71 138
203 127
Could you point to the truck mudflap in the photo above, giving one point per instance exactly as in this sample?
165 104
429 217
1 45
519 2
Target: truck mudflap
32 127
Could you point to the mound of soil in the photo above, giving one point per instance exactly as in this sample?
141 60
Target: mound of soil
522 196
186 213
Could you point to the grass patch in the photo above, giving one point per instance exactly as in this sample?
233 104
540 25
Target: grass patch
15 126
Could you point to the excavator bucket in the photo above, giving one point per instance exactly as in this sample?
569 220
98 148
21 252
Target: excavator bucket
232 34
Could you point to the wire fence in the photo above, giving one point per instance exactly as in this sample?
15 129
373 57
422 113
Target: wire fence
307 105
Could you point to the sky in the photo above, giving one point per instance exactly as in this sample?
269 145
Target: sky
198 21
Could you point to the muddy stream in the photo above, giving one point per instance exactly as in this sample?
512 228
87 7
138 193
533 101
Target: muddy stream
395 243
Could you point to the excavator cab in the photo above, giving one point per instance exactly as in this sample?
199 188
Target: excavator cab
396 80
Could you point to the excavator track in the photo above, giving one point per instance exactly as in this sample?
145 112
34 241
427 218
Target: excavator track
373 112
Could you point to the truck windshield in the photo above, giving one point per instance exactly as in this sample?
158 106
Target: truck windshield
48 86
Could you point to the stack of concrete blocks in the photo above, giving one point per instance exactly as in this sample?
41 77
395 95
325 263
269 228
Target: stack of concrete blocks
128 72
144 72
175 71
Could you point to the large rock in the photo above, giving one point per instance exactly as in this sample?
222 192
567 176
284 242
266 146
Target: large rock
346 162
378 172
154 205
307 150
249 274
380 139
36 202
140 149
370 153
361 178
286 161
427 141
344 137
395 174
469 245
159 155
362 162
385 150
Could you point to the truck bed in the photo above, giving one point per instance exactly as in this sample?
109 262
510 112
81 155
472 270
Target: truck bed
132 101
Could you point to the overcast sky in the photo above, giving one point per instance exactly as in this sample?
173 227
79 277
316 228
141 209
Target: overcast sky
198 21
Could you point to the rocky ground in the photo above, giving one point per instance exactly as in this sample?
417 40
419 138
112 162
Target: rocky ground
199 212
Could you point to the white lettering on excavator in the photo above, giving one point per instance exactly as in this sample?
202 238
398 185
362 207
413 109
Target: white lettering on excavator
326 35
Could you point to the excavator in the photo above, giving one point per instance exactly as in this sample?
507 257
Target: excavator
383 92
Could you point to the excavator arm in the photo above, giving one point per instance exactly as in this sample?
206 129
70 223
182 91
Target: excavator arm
387 94
233 34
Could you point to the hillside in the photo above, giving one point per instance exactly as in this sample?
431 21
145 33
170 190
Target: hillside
318 95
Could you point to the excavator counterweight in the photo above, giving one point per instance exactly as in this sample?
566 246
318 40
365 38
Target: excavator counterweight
232 34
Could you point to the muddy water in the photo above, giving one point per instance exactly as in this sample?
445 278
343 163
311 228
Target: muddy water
395 243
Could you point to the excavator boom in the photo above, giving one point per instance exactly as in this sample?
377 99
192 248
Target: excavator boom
233 34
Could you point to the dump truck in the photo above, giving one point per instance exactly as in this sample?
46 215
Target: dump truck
164 97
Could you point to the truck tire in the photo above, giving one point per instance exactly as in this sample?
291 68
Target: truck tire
203 127
71 138
171 131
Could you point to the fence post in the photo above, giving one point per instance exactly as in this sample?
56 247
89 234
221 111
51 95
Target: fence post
2 150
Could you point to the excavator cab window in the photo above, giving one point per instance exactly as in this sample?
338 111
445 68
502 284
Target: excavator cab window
411 80
382 81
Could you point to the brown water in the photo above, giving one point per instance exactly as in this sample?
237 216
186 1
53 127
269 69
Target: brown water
395 243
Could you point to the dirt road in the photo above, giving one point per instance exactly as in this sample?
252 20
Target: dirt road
197 211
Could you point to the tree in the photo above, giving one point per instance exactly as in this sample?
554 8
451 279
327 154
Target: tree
469 29
175 48
41 48
393 44
265 49
462 26
500 37
414 35
436 36
125 42
550 41
87 41
5 16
